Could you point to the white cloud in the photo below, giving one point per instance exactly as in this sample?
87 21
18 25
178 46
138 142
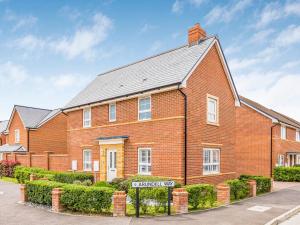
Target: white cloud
177 7
232 49
196 3
20 21
261 35
226 13
147 27
64 80
289 36
29 42
12 72
85 39
292 8
71 13
291 64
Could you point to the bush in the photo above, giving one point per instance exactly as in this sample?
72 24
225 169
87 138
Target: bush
70 177
39 191
23 173
289 174
87 199
102 184
239 189
84 183
7 168
201 195
117 183
263 184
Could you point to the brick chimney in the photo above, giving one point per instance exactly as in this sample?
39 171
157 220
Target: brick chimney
195 34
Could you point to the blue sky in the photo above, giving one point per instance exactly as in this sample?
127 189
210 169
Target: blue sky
50 50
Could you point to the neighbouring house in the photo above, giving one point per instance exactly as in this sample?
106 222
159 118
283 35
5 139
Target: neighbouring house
265 139
3 125
170 115
35 131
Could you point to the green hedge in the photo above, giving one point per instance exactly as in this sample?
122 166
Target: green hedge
201 195
39 191
289 174
87 199
23 173
263 184
239 189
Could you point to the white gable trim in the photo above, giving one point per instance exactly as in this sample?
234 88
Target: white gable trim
11 117
225 66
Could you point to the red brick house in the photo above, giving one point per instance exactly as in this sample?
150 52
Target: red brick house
265 139
3 125
34 130
169 115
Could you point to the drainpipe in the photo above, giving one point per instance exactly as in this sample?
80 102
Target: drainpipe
271 159
185 135
28 139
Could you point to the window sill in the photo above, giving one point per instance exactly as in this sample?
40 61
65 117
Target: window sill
142 120
212 124
211 174
145 174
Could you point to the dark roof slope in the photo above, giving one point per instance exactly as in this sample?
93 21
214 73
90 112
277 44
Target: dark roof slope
3 126
280 117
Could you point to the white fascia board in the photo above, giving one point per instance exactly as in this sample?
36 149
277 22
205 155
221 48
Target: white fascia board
141 94
224 64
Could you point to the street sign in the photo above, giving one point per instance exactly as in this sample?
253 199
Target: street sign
154 184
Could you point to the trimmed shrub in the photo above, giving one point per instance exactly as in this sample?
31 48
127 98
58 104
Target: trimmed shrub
117 183
289 174
239 189
70 177
102 184
263 184
7 168
87 199
201 195
40 191
23 173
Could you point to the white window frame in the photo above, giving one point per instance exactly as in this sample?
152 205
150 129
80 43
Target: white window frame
17 136
218 164
1 156
283 135
280 160
216 100
89 120
144 111
84 162
298 135
109 112
145 163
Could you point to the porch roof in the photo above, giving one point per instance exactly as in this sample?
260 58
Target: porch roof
112 137
12 148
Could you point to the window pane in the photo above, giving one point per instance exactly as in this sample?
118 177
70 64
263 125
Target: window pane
112 112
144 104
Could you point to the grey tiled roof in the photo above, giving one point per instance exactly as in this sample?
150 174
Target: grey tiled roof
280 117
162 70
12 148
33 117
3 125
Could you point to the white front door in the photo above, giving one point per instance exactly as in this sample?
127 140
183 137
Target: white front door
111 164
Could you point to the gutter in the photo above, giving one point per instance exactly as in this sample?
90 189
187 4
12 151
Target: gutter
185 134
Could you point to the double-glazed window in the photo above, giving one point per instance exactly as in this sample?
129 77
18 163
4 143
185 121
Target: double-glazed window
144 158
144 108
283 132
17 136
297 135
212 110
211 161
87 117
280 160
112 112
87 160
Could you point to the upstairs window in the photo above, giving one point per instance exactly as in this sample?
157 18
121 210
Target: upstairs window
144 158
17 136
87 160
211 161
283 132
87 116
297 135
144 108
112 112
212 110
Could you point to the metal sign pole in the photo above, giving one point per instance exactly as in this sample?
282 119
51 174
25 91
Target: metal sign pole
137 205
169 201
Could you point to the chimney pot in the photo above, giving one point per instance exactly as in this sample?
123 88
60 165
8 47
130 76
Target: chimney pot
195 34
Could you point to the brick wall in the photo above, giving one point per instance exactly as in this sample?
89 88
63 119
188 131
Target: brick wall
210 78
51 136
164 133
2 139
16 123
253 142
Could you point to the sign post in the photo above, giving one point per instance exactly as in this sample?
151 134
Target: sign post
151 184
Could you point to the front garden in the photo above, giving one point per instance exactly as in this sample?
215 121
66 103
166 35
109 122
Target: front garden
80 194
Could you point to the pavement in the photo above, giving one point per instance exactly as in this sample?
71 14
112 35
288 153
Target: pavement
252 211
294 220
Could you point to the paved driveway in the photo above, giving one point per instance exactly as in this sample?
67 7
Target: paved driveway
275 204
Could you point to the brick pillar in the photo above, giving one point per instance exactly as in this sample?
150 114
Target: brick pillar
56 205
119 201
180 200
23 193
252 188
33 177
223 194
